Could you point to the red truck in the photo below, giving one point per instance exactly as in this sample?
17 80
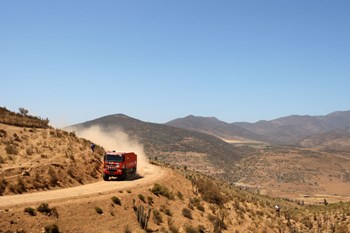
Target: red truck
119 164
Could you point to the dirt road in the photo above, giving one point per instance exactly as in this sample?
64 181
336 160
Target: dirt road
149 175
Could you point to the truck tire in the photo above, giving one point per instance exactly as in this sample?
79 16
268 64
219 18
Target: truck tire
124 176
105 177
134 171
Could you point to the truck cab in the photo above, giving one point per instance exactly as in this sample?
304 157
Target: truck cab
119 164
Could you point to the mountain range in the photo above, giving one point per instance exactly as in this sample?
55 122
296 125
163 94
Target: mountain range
289 130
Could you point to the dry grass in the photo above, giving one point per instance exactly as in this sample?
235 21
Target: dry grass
22 120
35 159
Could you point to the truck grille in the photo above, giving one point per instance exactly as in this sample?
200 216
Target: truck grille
111 168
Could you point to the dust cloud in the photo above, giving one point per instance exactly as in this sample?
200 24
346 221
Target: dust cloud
116 139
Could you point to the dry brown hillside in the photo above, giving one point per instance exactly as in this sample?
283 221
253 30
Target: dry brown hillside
176 205
298 173
41 157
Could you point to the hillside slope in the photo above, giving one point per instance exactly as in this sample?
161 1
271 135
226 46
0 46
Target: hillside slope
40 157
177 205
335 140
173 145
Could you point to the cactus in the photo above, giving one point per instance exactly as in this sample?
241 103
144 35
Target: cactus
142 216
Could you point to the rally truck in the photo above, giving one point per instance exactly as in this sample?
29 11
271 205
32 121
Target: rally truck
119 164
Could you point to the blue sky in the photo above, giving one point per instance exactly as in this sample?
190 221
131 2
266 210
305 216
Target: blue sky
156 60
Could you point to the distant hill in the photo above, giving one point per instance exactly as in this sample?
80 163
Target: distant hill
174 145
213 126
291 130
335 140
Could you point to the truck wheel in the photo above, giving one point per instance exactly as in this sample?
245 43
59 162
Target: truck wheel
124 175
105 177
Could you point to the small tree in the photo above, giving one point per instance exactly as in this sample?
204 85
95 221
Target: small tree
23 111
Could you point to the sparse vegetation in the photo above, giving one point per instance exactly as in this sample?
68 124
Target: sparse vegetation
157 217
52 228
116 200
22 119
30 211
44 208
162 190
3 184
98 210
191 229
210 191
127 229
11 149
150 200
187 213
166 210
142 198
142 215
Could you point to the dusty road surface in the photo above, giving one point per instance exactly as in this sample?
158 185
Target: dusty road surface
149 175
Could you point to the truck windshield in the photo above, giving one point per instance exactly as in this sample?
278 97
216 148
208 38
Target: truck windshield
114 158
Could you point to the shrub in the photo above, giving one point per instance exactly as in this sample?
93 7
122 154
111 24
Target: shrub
210 191
44 208
3 133
142 198
127 229
157 217
98 210
116 200
200 208
29 151
173 229
180 196
11 149
53 176
150 200
191 229
187 213
52 228
165 210
30 211
3 184
163 191
54 212
197 203
20 186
